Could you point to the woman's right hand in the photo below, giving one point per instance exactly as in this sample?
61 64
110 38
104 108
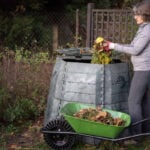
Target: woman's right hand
109 45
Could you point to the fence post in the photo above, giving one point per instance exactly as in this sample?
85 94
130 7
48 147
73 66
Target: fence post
77 28
90 6
55 36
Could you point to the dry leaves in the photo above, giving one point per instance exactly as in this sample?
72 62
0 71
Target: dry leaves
98 115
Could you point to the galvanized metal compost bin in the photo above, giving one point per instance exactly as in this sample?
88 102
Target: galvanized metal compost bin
75 79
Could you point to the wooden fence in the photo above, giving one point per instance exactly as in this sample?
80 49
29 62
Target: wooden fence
116 25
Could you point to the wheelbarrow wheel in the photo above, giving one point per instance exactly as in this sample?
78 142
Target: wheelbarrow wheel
59 141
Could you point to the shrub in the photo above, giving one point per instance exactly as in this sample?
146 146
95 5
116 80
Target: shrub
23 109
24 81
4 100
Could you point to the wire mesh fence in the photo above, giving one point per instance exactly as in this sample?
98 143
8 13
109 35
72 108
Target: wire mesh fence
52 30
42 31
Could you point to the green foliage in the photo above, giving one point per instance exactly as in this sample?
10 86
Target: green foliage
11 128
28 31
29 86
20 32
36 5
42 33
28 57
5 25
23 109
78 4
21 55
4 100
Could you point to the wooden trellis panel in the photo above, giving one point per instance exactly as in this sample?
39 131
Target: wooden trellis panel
114 25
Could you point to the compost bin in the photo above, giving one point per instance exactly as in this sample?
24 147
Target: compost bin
75 79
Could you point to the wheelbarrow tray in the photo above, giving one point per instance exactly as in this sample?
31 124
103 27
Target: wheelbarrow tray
90 127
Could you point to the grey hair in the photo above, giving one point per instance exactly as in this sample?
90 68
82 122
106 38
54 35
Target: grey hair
143 9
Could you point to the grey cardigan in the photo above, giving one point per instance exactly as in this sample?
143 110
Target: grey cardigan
139 49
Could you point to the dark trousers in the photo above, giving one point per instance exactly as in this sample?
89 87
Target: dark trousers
139 100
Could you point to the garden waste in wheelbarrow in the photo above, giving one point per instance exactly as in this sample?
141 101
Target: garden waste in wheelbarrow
85 126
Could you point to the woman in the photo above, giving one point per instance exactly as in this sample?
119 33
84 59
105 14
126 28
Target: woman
139 49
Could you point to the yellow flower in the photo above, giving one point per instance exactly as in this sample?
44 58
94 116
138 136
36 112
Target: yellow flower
99 40
100 56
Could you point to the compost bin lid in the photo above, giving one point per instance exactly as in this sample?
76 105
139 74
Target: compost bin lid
75 53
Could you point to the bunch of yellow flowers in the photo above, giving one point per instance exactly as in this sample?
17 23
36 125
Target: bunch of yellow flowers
101 52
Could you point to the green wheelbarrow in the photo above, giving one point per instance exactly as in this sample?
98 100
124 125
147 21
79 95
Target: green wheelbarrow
61 133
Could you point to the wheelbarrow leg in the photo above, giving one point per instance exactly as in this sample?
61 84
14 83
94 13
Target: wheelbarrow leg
97 143
98 146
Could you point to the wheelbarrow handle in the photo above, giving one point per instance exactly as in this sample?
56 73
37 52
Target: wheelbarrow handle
141 121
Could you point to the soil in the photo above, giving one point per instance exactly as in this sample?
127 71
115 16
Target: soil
27 138
32 136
